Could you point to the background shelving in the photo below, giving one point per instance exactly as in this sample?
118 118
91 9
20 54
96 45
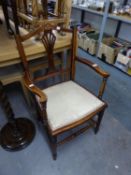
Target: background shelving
87 10
105 22
123 18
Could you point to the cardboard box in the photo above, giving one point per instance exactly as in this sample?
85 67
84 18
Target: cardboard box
108 52
124 63
91 42
81 38
84 30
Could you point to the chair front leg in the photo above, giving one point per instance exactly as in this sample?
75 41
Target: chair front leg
102 88
54 147
100 116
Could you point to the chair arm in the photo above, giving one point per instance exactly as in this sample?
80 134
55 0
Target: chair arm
34 89
95 67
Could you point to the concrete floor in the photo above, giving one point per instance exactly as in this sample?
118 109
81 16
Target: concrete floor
107 153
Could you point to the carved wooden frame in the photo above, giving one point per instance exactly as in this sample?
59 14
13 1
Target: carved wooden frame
41 109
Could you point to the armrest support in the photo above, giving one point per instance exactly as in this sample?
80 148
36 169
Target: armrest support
35 90
95 67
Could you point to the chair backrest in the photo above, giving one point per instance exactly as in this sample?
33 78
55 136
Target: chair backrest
48 38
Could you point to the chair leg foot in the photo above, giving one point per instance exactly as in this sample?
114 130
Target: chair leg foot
54 147
54 156
100 116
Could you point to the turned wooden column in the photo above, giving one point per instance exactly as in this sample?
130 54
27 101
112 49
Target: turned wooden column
18 132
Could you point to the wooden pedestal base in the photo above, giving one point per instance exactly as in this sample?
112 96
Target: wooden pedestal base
17 135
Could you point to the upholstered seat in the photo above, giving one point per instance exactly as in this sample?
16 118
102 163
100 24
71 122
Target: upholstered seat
67 103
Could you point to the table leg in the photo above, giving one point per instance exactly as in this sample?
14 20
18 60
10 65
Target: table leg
1 21
4 8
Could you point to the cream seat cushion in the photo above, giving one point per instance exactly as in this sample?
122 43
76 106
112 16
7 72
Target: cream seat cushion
67 103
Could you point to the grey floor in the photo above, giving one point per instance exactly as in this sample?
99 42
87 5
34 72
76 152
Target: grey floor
107 153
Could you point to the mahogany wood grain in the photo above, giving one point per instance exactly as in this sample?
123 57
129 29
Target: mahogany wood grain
51 74
34 89
93 66
75 134
48 40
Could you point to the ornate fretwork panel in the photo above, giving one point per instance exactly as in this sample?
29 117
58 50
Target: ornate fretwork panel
48 40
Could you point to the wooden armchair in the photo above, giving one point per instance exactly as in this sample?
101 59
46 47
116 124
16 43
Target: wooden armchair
65 105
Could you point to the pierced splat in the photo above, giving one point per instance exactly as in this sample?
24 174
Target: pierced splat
48 39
